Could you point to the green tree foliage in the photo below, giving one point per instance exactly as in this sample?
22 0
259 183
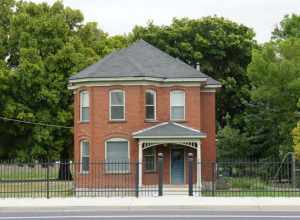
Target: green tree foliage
275 79
41 46
222 47
288 27
296 140
231 144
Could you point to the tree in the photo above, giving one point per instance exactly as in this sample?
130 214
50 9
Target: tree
296 140
288 27
232 144
296 135
274 73
44 45
222 47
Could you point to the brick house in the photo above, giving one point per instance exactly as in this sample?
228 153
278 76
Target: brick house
138 102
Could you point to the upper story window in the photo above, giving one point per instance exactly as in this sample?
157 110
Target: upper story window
117 155
84 156
150 105
177 105
117 105
84 106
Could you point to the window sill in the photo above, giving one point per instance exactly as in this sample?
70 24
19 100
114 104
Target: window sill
84 122
116 172
150 171
179 121
117 121
150 121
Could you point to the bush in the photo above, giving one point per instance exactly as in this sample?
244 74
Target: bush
231 144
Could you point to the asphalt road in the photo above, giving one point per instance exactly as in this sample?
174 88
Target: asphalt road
174 214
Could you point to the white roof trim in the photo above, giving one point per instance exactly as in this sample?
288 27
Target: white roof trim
155 79
213 86
171 137
149 128
186 127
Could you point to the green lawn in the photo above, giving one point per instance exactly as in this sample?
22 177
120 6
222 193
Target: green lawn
36 189
253 194
25 172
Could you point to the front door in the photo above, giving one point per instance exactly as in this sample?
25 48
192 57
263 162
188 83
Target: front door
177 166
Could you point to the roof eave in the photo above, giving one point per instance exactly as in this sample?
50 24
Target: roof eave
170 137
74 82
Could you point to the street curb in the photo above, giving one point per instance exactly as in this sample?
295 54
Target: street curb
167 202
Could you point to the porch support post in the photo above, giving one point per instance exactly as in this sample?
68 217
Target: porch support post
140 163
199 176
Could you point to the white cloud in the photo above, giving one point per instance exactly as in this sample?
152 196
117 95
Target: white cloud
120 16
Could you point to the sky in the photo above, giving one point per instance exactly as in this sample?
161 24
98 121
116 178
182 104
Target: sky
120 16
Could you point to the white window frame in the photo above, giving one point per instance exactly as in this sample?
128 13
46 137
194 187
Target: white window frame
145 155
81 155
128 153
81 94
154 105
110 105
171 93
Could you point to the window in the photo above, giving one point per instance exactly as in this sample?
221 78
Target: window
117 155
150 159
84 157
84 106
150 105
177 100
117 105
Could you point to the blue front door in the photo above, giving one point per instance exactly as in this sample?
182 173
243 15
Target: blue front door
177 166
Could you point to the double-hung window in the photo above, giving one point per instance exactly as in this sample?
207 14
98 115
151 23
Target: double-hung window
117 155
177 105
85 156
117 105
150 159
84 106
150 105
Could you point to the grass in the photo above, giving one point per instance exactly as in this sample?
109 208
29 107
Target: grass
36 189
25 172
253 194
245 183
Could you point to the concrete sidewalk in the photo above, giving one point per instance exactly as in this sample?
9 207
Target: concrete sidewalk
157 202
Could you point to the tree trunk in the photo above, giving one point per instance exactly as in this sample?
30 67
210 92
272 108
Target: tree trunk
65 165
64 172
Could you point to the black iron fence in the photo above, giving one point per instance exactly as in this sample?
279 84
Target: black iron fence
123 178
240 178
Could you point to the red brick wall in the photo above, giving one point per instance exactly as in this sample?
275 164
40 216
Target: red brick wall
199 113
208 126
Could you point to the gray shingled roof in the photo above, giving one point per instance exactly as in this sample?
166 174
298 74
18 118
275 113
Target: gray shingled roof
140 59
169 130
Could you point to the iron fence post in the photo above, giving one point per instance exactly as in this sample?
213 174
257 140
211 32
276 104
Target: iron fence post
213 178
137 177
190 160
160 173
293 171
47 176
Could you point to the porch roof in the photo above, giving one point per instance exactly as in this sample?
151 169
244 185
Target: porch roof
168 130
